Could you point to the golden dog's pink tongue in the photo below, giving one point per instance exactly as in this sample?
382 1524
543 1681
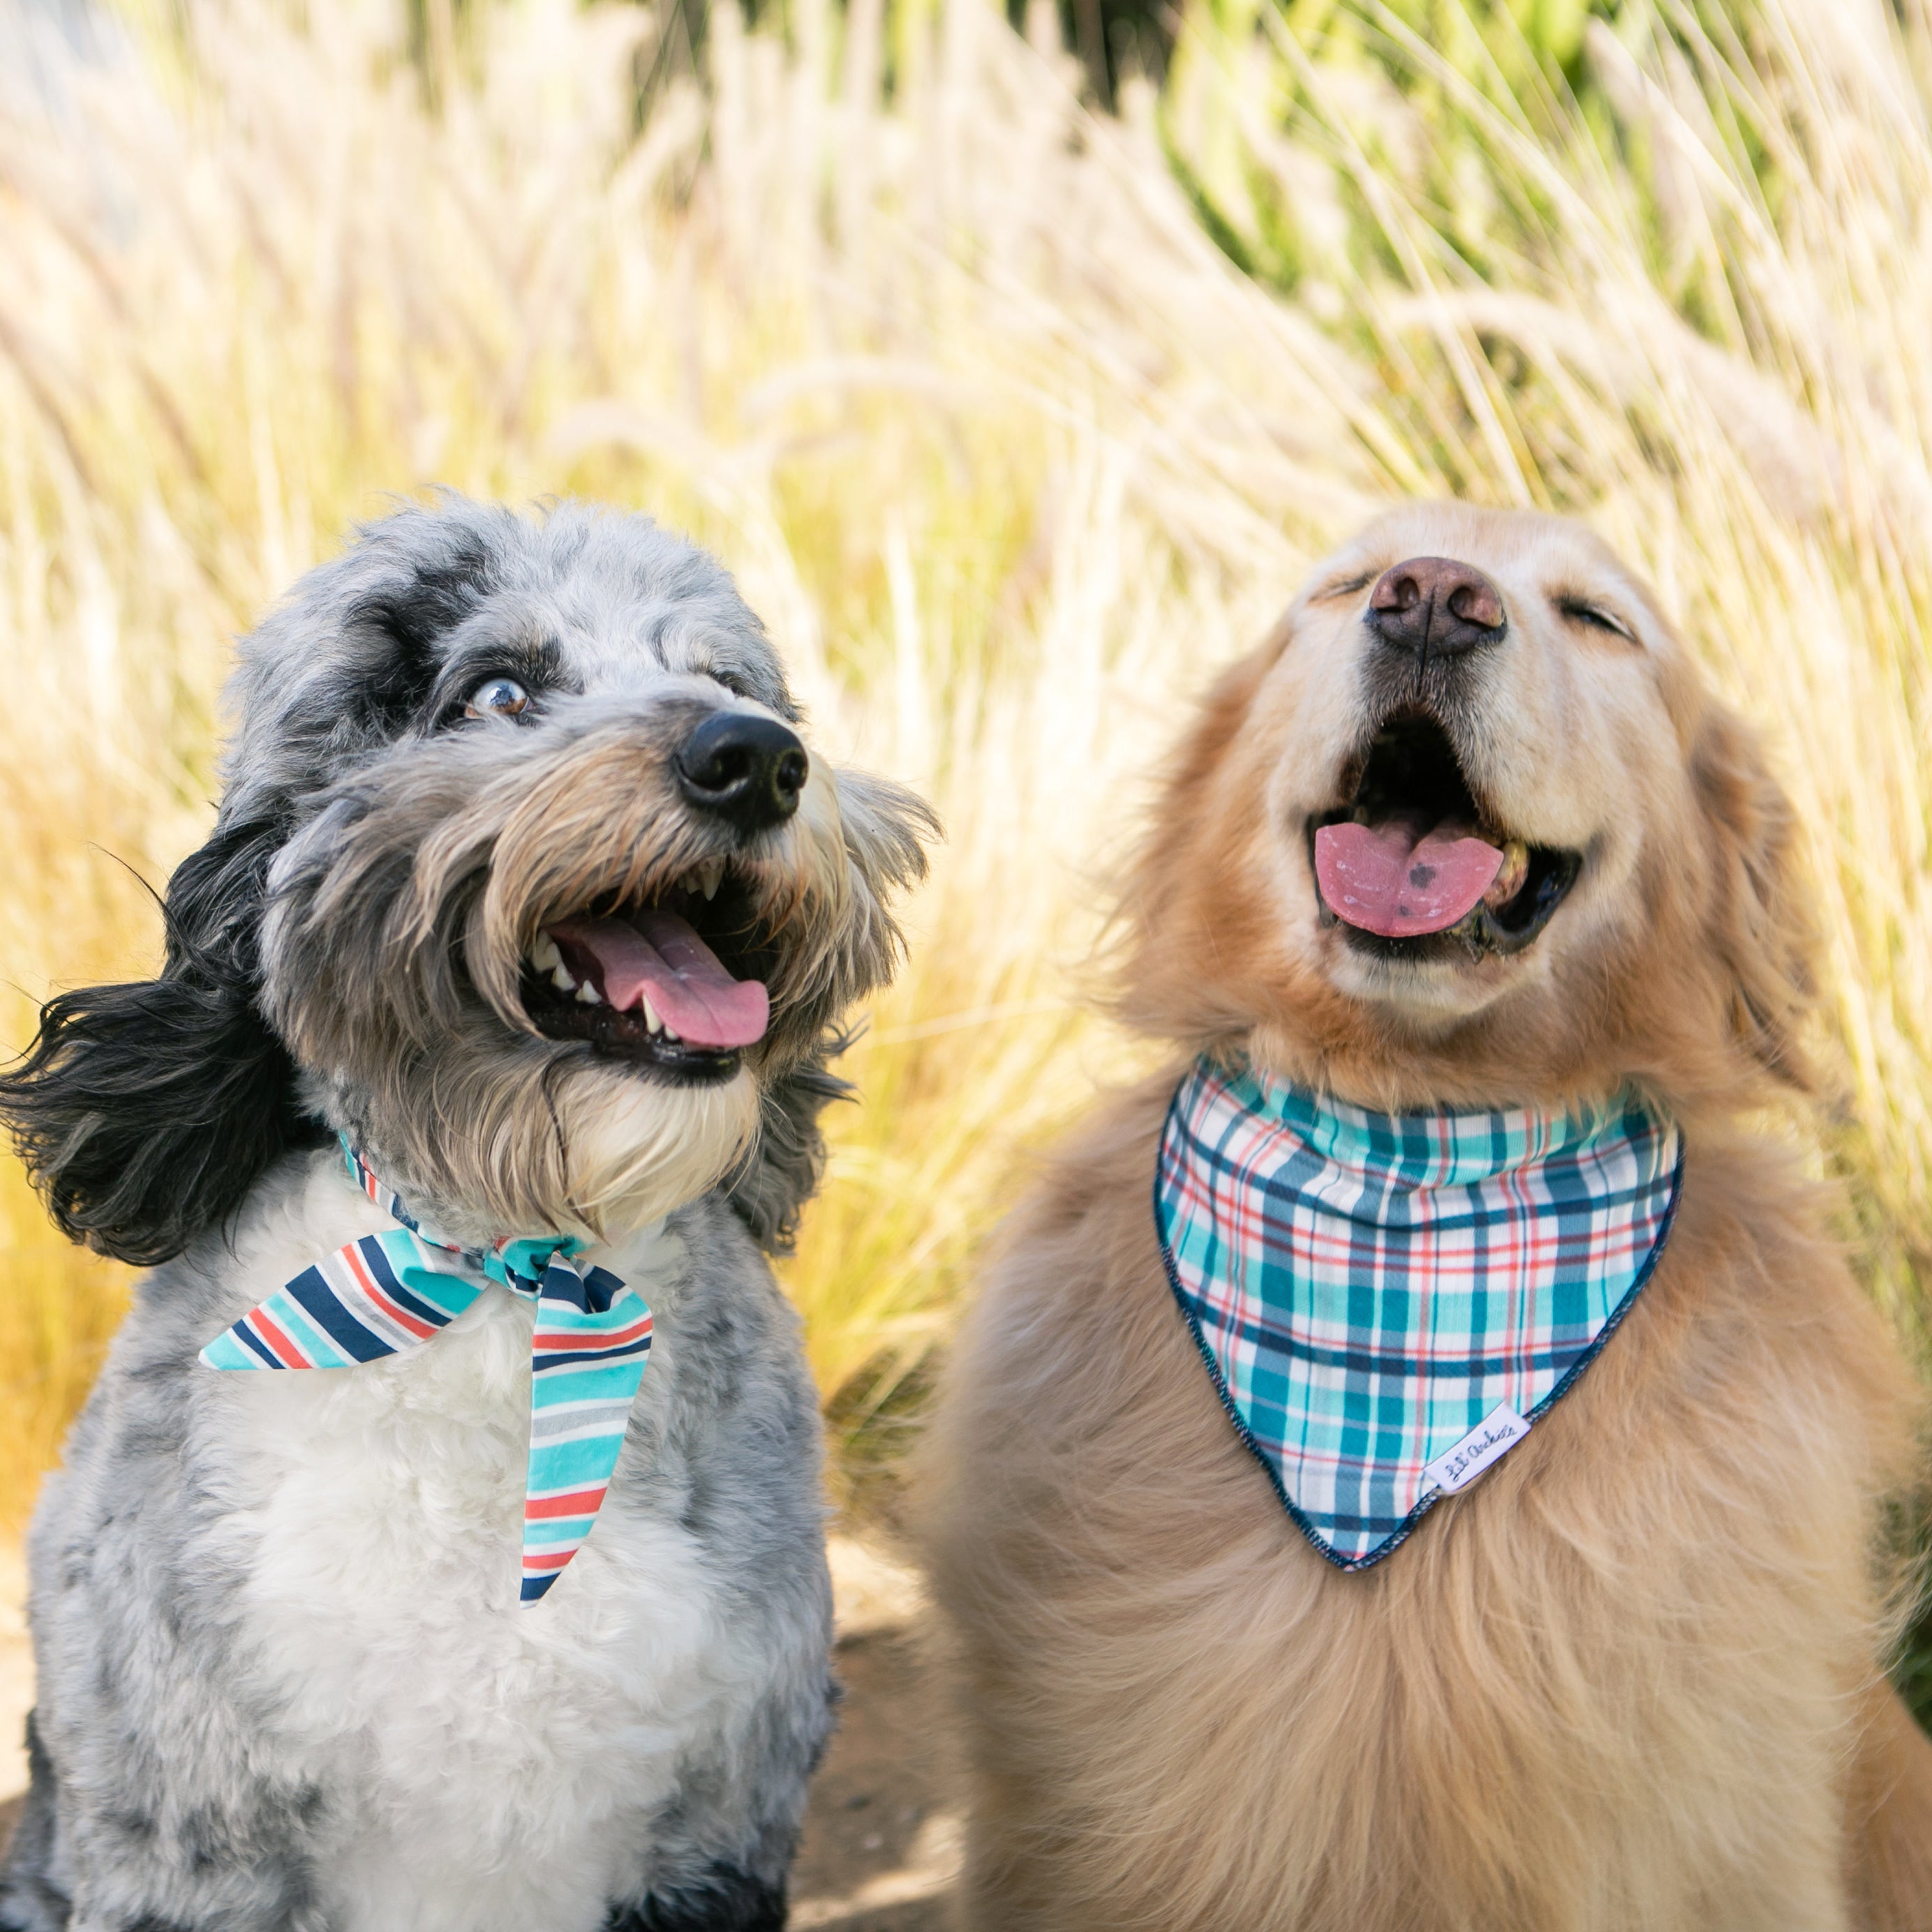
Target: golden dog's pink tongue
661 957
1393 880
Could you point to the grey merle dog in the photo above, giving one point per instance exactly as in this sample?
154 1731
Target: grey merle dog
524 887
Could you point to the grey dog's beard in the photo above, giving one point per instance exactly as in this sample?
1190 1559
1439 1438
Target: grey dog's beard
575 1147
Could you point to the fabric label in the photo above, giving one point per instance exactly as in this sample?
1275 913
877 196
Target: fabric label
1492 1438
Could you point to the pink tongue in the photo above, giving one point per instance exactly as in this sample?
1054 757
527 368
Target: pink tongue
1390 879
661 955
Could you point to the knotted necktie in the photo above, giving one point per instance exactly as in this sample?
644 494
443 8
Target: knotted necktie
1386 1302
384 1293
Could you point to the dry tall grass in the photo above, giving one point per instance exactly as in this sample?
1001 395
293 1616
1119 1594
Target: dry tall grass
1006 449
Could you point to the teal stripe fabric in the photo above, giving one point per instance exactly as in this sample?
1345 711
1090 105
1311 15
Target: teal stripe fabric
384 1293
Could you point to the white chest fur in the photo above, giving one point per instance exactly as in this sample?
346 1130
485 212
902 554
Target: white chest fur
503 1758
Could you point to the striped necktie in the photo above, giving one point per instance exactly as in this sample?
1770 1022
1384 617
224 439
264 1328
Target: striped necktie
384 1293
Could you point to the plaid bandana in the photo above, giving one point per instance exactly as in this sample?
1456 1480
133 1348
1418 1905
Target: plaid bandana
1386 1302
384 1293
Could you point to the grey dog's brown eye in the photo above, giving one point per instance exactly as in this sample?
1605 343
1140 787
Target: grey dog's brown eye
497 698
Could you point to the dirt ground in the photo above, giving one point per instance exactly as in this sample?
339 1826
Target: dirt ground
880 1845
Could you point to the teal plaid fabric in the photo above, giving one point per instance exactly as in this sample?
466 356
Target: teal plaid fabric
1386 1302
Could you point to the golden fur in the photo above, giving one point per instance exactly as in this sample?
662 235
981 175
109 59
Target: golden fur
1632 1678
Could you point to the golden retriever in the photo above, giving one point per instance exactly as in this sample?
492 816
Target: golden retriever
1633 1677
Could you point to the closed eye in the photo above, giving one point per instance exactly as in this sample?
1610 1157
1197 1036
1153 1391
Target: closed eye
1581 611
1346 586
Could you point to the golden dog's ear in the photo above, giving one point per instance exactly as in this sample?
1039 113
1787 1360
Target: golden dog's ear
1761 931
1174 913
1223 711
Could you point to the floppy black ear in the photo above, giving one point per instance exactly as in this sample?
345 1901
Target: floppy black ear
144 1112
782 1172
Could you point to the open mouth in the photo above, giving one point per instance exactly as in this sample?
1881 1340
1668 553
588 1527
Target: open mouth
677 982
1415 867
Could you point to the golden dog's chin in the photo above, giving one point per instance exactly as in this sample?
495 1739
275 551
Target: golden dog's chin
1428 991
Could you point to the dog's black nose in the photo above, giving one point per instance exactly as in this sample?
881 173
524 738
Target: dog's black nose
747 769
1434 607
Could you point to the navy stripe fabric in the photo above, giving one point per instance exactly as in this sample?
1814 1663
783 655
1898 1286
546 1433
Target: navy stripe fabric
312 1293
380 1294
392 1284
259 1347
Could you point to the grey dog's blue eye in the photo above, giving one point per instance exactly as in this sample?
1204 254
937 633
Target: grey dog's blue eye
497 698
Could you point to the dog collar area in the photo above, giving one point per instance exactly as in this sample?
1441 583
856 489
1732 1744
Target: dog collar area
1386 1303
384 1294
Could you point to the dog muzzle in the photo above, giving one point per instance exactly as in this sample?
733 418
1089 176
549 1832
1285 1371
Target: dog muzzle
386 1293
1387 1303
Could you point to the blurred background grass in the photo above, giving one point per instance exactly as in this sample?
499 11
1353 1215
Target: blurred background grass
1018 366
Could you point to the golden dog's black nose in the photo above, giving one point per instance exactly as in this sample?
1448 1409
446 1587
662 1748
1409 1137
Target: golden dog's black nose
1435 606
747 769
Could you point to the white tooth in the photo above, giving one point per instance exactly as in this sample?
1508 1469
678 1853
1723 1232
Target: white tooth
651 1019
670 1035
711 876
588 995
544 955
560 976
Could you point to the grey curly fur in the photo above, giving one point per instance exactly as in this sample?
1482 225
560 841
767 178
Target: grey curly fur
342 954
